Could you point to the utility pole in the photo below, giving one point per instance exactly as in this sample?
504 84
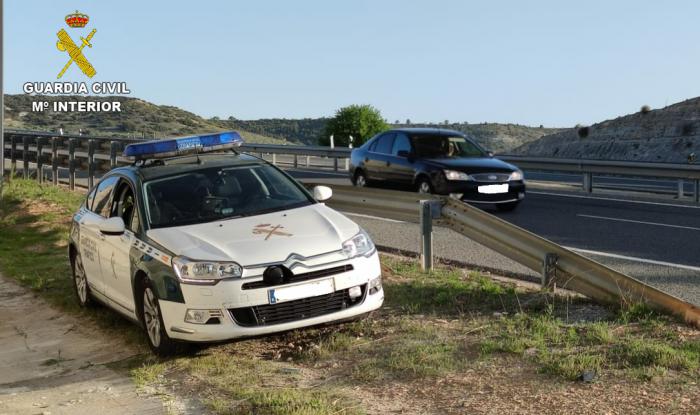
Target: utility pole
2 103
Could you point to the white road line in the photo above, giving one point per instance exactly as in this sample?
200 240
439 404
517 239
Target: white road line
635 259
372 217
614 200
638 221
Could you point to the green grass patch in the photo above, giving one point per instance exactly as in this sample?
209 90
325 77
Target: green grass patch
34 226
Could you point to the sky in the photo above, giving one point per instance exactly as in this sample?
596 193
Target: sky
557 63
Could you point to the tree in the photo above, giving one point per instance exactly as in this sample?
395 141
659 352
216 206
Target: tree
359 121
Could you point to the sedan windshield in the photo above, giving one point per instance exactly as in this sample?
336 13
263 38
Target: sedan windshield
218 193
439 146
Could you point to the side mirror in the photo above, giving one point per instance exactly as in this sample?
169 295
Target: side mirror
322 193
404 153
113 226
489 153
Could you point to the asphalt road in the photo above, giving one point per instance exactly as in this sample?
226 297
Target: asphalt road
653 241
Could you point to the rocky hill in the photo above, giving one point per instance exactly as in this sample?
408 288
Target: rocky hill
670 135
138 118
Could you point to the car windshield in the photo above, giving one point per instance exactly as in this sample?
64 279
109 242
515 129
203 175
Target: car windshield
440 146
219 193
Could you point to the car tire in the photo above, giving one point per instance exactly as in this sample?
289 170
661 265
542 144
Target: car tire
424 186
360 179
80 283
152 320
507 207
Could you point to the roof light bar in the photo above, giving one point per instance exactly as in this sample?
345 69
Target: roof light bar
178 146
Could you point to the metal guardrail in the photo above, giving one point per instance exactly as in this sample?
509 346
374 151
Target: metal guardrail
106 153
558 266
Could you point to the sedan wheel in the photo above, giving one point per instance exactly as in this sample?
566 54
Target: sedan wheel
360 179
151 317
80 283
158 339
424 187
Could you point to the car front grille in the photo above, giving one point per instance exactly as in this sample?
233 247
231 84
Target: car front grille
491 177
269 314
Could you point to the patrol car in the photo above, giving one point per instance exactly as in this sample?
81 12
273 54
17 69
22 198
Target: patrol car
197 242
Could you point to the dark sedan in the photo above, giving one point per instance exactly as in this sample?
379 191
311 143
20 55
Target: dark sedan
432 160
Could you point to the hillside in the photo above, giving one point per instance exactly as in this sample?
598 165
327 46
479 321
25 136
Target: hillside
669 135
497 137
138 118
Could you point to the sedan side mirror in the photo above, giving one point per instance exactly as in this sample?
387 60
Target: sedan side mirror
113 226
489 153
322 193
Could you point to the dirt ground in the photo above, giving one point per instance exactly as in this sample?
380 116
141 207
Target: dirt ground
52 363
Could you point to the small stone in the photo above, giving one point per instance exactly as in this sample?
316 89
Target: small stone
587 376
532 351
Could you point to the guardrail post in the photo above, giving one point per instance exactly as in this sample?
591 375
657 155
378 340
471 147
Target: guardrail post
588 182
39 160
25 157
71 164
113 148
347 164
549 270
13 155
274 158
426 236
91 163
308 161
296 161
681 192
697 190
335 163
54 160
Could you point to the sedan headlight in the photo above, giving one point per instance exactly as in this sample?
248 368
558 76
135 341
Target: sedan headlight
456 175
204 272
360 244
516 175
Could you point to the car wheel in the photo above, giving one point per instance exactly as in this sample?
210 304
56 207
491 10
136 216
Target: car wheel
507 207
80 283
360 179
424 186
158 339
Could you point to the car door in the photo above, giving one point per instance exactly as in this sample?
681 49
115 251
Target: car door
401 163
377 159
114 255
91 239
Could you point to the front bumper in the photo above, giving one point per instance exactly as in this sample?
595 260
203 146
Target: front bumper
469 192
229 295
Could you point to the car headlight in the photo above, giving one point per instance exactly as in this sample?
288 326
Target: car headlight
516 175
204 272
456 175
360 244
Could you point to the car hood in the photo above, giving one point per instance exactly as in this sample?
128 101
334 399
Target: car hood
306 231
473 164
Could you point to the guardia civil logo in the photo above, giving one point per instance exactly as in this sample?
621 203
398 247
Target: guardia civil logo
66 44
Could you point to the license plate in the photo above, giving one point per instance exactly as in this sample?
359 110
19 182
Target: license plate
279 295
493 189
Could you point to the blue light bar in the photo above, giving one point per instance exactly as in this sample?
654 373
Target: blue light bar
178 146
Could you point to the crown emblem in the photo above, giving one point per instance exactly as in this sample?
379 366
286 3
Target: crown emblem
77 19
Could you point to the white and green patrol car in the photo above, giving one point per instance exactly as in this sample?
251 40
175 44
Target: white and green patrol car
198 243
